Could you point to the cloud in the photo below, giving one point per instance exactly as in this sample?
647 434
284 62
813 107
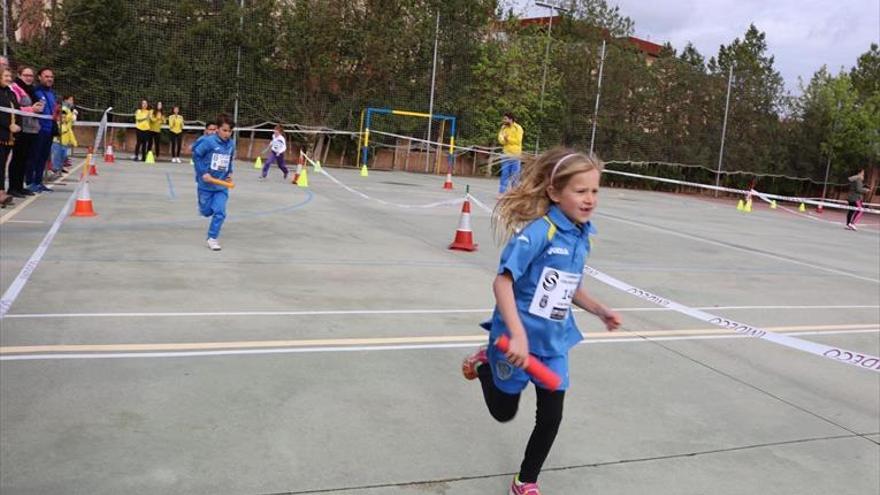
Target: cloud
802 35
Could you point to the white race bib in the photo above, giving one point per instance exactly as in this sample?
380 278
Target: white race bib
554 293
219 162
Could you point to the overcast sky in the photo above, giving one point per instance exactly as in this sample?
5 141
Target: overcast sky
802 35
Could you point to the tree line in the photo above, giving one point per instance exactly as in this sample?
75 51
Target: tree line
319 63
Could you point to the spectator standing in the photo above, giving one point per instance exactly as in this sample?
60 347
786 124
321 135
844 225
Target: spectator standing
175 125
157 120
30 126
63 146
48 130
8 129
510 137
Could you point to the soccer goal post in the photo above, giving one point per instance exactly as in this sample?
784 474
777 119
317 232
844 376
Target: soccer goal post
367 119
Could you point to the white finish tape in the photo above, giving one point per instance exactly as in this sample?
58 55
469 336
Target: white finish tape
860 360
741 191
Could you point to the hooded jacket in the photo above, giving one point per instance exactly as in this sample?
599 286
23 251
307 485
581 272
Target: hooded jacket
26 99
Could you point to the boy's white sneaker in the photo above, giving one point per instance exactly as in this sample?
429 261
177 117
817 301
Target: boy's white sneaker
213 244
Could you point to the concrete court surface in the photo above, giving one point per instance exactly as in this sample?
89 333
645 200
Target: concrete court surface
319 351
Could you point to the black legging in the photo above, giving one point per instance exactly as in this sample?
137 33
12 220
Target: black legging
176 140
851 214
155 139
24 142
548 416
142 146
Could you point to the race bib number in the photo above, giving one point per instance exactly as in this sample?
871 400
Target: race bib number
554 293
219 162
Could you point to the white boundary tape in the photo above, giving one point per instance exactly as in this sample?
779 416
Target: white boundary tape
445 202
741 191
764 198
437 143
859 360
24 275
480 204
13 111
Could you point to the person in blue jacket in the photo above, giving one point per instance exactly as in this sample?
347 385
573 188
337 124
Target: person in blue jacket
213 157
48 128
546 219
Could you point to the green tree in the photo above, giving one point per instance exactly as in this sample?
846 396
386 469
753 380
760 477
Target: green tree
753 130
599 14
835 123
866 74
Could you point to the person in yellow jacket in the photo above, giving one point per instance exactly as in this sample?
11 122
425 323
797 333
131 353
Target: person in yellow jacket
175 125
142 127
510 137
63 144
157 120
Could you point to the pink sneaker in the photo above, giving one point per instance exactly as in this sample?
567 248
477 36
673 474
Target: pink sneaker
517 488
471 362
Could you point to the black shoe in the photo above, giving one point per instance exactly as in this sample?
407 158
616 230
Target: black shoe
28 192
17 194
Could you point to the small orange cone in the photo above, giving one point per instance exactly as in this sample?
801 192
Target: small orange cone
819 208
448 183
299 169
87 167
93 169
84 203
464 236
109 157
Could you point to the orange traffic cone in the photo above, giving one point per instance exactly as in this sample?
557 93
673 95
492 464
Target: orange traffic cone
109 157
448 183
84 203
464 236
87 166
93 169
819 208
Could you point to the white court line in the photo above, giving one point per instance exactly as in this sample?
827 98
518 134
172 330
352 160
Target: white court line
26 221
308 350
367 312
737 248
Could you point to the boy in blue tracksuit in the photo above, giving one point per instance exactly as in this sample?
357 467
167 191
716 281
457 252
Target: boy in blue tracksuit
213 157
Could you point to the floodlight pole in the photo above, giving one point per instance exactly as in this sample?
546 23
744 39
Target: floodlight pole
5 29
557 8
238 77
598 94
724 129
830 151
431 102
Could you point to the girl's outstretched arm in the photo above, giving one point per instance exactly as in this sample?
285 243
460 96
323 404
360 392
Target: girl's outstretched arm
608 316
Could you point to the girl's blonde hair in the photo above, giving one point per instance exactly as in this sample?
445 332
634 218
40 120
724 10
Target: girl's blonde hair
529 199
